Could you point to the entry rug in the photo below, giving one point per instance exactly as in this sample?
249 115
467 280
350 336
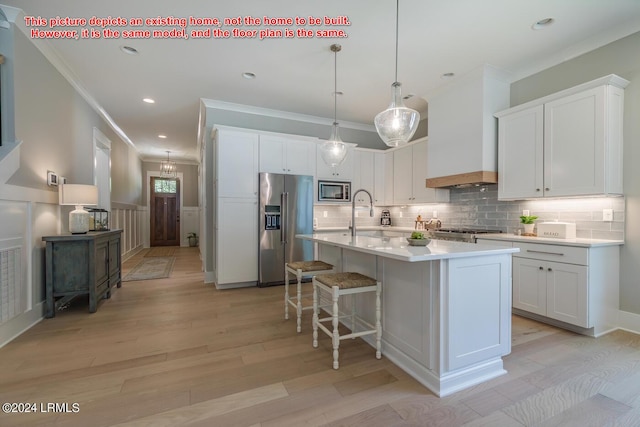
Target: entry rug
161 251
151 268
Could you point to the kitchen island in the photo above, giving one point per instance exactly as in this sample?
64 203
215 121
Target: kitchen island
446 307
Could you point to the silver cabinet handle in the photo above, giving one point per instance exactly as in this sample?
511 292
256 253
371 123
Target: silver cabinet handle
543 252
547 189
549 269
540 268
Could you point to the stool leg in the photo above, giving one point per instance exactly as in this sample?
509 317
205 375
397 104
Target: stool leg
378 323
299 306
335 322
314 321
286 293
353 314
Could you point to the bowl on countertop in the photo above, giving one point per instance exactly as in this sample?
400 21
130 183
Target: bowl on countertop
418 242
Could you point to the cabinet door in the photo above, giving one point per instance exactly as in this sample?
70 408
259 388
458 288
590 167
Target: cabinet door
530 285
237 244
567 291
402 176
389 178
300 158
363 174
379 175
574 138
422 194
272 154
520 142
237 163
114 259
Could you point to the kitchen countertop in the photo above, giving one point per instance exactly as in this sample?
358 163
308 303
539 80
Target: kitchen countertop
585 243
367 228
398 247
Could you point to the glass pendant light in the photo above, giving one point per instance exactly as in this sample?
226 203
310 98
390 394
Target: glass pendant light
334 151
397 124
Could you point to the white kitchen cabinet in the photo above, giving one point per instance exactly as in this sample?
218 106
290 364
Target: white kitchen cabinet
287 155
380 174
342 172
237 242
409 176
363 174
237 163
389 178
566 144
577 286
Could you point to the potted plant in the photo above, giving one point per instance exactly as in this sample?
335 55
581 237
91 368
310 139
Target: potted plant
528 223
193 239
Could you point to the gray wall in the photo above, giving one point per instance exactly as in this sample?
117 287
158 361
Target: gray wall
621 57
189 185
56 126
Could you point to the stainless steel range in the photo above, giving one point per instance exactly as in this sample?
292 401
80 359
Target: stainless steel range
468 235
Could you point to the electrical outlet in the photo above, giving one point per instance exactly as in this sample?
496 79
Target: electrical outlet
607 215
435 214
400 214
525 212
324 214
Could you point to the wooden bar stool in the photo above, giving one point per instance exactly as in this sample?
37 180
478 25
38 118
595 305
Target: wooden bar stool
338 284
300 269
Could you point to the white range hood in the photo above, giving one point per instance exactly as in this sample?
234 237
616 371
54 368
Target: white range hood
463 138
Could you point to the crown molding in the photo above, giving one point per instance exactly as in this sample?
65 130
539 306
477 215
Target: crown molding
59 64
279 114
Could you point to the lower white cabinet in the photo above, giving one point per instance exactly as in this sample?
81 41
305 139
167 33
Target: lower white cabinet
578 286
552 289
237 242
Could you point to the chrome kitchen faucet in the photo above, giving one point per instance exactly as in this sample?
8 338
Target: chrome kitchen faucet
353 209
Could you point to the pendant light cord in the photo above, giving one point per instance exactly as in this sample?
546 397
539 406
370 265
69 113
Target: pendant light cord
335 86
397 14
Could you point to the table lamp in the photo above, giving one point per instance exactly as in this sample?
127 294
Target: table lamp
78 195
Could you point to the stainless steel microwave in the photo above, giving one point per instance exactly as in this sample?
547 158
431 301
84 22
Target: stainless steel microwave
334 191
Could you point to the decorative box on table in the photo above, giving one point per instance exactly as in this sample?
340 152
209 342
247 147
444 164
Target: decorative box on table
98 220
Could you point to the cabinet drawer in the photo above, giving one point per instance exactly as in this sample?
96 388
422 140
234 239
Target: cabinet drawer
557 253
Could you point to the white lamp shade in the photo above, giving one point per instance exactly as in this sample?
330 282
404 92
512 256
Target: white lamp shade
78 195
397 124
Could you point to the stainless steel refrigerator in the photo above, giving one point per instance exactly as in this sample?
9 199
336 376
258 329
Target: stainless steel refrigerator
286 209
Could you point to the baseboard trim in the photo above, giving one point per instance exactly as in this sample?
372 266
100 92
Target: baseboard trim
25 322
629 322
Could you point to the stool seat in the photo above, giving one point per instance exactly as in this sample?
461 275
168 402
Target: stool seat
337 285
299 269
306 266
346 280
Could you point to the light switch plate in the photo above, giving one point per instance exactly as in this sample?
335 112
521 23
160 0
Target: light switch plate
525 212
607 215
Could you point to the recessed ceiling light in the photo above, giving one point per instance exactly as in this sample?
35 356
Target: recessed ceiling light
447 75
149 100
543 23
162 136
129 50
248 76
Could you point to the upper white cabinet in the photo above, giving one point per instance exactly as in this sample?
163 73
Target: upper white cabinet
409 176
566 144
363 174
237 163
463 142
293 156
342 172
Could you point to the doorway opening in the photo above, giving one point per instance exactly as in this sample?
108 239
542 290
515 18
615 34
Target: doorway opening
165 211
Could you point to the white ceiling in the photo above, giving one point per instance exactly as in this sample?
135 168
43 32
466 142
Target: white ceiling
297 75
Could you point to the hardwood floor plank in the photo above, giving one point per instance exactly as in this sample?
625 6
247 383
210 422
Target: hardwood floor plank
593 412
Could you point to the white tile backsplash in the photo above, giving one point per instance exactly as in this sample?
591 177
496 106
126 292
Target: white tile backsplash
479 207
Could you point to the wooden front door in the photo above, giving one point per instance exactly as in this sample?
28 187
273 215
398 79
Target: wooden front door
165 212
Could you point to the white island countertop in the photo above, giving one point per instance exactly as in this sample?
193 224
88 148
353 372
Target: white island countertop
398 247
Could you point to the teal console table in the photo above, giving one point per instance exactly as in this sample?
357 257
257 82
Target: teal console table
81 264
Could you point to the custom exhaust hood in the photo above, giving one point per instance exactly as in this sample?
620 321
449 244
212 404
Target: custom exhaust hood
463 133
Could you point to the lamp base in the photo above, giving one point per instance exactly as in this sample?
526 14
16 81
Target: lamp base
79 221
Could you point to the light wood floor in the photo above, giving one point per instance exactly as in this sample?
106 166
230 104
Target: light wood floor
175 352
